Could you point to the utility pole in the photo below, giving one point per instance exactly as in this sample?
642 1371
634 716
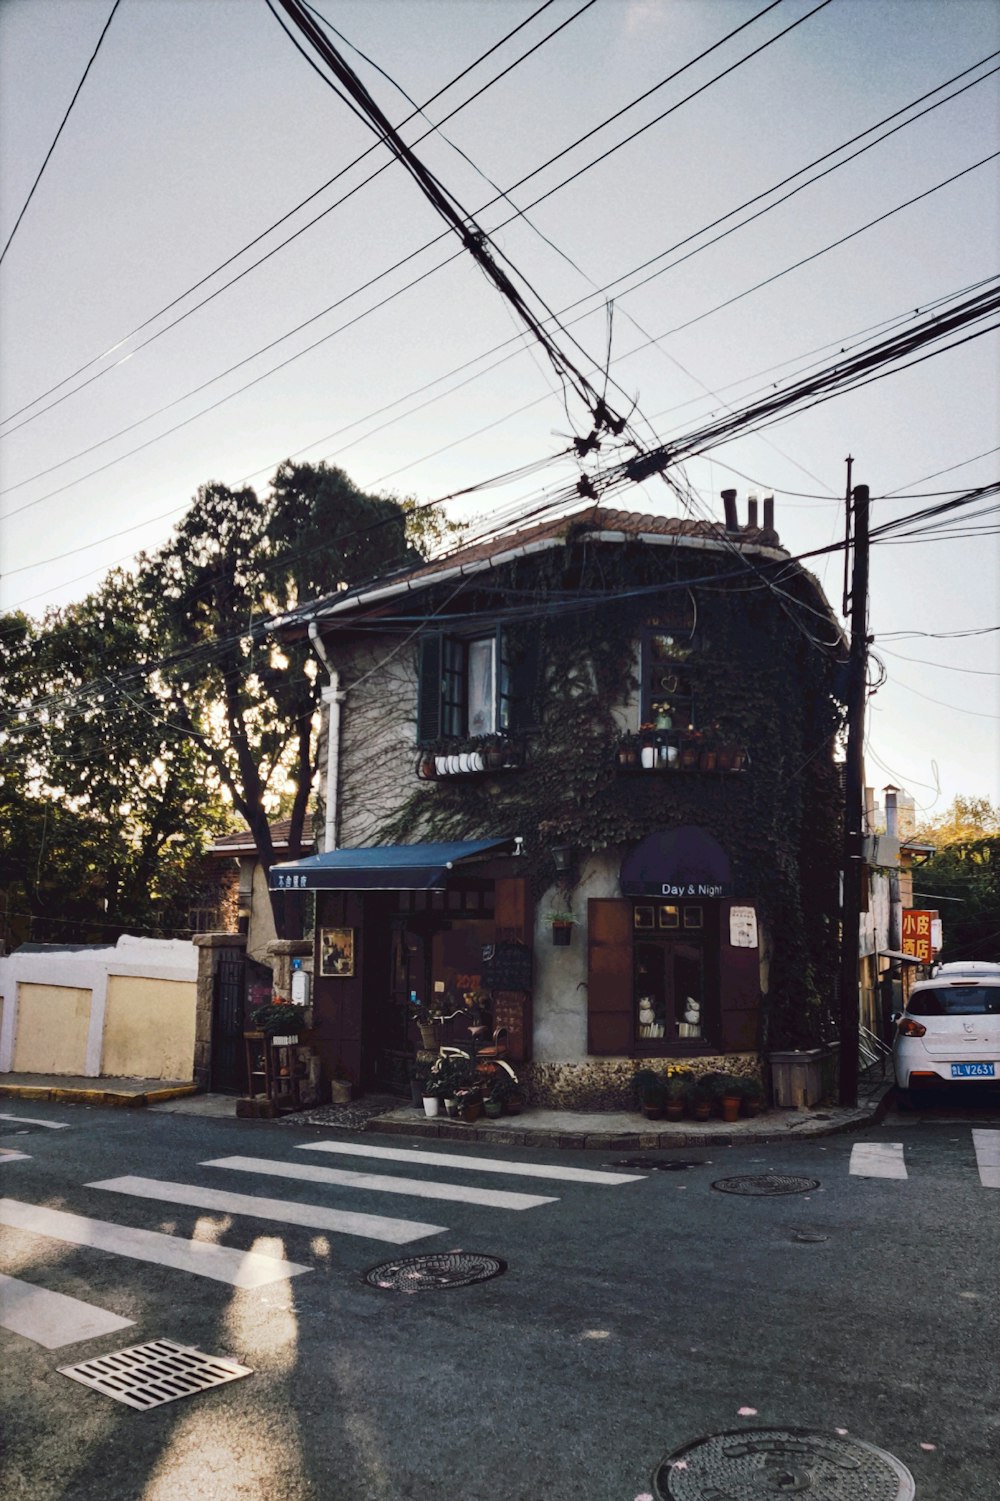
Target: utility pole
854 804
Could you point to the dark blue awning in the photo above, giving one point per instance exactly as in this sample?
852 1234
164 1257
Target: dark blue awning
681 862
385 867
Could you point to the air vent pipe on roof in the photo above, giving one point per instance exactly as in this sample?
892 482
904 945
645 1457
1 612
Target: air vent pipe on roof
769 513
729 501
752 512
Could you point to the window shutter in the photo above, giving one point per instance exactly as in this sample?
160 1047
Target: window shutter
522 659
609 976
429 688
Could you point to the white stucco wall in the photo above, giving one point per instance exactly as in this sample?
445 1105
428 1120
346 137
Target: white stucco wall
560 974
55 1007
378 736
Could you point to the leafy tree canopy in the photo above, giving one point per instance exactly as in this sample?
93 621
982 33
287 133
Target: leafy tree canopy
963 878
160 703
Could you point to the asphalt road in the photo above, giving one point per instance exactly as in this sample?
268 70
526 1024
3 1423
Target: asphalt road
633 1316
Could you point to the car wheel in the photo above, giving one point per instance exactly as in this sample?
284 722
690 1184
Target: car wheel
904 1099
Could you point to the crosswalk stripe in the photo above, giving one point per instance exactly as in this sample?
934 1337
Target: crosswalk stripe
52 1319
313 1216
491 1198
27 1120
474 1164
987 1147
203 1258
874 1159
7 1154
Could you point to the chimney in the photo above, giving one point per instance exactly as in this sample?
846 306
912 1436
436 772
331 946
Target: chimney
769 513
752 511
729 501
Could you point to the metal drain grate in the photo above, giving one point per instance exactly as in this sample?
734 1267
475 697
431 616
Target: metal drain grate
149 1375
766 1184
423 1274
642 1164
761 1462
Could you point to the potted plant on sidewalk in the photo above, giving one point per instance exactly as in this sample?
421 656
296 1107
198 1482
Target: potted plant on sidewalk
675 1088
651 1092
698 1099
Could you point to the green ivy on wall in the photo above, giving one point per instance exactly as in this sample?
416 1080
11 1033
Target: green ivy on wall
758 682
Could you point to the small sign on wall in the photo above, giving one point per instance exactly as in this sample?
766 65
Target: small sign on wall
743 927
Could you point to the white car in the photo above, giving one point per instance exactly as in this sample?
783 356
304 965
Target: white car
949 1034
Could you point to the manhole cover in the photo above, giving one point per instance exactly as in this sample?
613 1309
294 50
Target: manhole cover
759 1463
674 1166
766 1184
423 1274
809 1237
149 1375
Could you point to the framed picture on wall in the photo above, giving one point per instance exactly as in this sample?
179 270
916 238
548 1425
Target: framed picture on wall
336 952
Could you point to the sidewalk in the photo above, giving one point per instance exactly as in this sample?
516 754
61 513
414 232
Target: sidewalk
623 1130
79 1090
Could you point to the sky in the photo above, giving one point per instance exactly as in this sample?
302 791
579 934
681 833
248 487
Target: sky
199 125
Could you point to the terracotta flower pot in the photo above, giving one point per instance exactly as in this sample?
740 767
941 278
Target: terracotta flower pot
674 1110
731 1107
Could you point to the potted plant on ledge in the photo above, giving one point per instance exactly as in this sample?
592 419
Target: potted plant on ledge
562 928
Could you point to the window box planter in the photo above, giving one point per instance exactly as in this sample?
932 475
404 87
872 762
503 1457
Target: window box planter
465 759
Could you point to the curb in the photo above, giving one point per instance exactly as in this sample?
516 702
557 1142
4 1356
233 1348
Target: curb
112 1098
598 1141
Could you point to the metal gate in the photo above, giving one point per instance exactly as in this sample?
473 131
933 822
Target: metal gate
228 1053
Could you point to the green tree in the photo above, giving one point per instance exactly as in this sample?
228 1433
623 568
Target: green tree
964 873
248 703
104 811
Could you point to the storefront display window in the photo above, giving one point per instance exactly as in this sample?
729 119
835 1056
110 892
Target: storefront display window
669 973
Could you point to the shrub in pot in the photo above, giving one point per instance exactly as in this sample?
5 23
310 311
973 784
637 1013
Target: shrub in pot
650 1089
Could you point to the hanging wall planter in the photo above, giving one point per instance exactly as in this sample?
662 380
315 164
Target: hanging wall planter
562 933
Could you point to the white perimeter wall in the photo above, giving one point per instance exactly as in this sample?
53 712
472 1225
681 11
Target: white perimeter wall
127 1011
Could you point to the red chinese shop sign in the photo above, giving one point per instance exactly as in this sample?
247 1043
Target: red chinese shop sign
917 934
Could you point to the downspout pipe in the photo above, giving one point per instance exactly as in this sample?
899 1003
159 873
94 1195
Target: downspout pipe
333 697
895 902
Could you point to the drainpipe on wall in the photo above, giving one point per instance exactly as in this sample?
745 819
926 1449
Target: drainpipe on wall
333 696
895 902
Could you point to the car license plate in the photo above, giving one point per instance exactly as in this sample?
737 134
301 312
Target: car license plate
972 1071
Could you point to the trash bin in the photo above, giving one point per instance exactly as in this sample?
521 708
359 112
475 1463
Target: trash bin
797 1076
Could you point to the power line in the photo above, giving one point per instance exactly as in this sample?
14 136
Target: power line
291 212
982 672
352 322
414 253
59 132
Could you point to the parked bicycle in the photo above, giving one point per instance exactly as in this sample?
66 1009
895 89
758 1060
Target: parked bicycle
483 1064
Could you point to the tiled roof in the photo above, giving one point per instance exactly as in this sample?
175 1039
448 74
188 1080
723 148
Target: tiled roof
600 519
235 844
634 524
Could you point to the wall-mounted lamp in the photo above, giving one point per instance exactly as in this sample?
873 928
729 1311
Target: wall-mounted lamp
562 858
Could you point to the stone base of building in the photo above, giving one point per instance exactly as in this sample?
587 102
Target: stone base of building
606 1083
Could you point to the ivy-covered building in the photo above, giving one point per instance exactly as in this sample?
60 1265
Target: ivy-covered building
622 722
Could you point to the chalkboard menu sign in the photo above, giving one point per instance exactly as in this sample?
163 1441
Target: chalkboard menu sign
507 966
513 1010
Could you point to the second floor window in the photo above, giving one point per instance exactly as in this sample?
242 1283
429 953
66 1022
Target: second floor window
667 687
469 686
